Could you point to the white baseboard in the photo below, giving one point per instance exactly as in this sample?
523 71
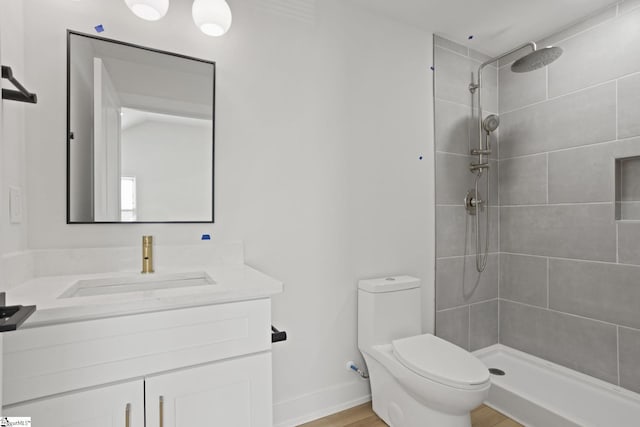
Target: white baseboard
309 407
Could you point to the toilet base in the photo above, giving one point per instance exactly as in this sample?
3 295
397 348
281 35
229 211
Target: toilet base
396 407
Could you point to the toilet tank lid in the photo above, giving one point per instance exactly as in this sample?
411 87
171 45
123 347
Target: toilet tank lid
389 284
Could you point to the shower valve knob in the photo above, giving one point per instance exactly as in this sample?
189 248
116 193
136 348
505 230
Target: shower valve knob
472 203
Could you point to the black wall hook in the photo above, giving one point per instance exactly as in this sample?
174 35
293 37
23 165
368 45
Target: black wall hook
20 95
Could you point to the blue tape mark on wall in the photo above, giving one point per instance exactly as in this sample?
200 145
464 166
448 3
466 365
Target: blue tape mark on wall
206 237
99 28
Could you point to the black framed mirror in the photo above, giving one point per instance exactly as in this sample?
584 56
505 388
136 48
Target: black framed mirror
140 134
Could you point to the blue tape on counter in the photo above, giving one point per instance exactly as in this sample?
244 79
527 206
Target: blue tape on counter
99 28
206 237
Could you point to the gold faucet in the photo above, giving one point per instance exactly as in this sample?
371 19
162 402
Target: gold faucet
147 254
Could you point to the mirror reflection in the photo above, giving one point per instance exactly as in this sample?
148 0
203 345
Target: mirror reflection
140 124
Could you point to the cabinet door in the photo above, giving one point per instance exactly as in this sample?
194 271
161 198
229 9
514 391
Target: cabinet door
99 407
232 393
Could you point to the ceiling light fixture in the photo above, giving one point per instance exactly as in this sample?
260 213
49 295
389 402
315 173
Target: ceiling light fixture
212 17
150 10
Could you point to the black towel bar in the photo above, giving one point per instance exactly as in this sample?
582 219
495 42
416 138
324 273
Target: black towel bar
20 95
277 336
11 317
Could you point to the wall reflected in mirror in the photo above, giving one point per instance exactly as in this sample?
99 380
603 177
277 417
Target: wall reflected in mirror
140 126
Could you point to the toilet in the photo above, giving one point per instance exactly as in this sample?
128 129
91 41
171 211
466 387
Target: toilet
417 380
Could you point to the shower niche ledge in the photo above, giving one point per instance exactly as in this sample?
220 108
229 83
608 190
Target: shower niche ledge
627 188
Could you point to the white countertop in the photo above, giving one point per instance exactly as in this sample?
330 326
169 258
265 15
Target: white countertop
233 283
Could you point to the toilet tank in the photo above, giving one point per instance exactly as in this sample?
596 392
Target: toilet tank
388 309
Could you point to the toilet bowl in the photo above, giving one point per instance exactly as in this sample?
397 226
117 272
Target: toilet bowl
417 380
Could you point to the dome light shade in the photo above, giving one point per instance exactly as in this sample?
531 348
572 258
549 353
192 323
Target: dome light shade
213 17
150 10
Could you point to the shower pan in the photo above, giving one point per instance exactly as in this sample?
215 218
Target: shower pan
474 204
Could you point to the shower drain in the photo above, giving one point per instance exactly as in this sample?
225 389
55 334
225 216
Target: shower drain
496 371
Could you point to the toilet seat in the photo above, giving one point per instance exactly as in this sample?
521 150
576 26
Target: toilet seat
439 360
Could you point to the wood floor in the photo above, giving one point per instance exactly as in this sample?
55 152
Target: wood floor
363 416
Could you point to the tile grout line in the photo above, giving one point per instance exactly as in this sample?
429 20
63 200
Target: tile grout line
499 281
551 204
499 204
448 101
447 205
577 91
435 44
577 147
617 120
486 301
617 243
462 256
548 280
578 316
618 351
469 328
546 83
618 177
547 178
571 259
460 155
548 266
499 213
467 56
458 307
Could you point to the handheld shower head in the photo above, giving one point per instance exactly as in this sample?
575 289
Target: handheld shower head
490 123
537 59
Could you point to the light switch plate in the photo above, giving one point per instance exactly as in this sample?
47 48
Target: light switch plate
15 205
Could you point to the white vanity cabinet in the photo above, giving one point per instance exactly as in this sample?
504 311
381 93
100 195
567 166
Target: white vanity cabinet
235 393
208 365
120 405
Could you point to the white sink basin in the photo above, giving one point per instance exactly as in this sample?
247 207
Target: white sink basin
136 283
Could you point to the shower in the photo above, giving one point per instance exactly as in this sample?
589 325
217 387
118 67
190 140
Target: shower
474 204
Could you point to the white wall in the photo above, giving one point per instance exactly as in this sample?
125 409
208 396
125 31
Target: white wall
172 166
2 199
322 112
13 237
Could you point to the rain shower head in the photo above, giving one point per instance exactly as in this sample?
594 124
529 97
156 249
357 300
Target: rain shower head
491 123
537 59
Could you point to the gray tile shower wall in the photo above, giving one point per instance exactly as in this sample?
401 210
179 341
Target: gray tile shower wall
524 279
629 356
582 344
466 302
569 289
483 324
